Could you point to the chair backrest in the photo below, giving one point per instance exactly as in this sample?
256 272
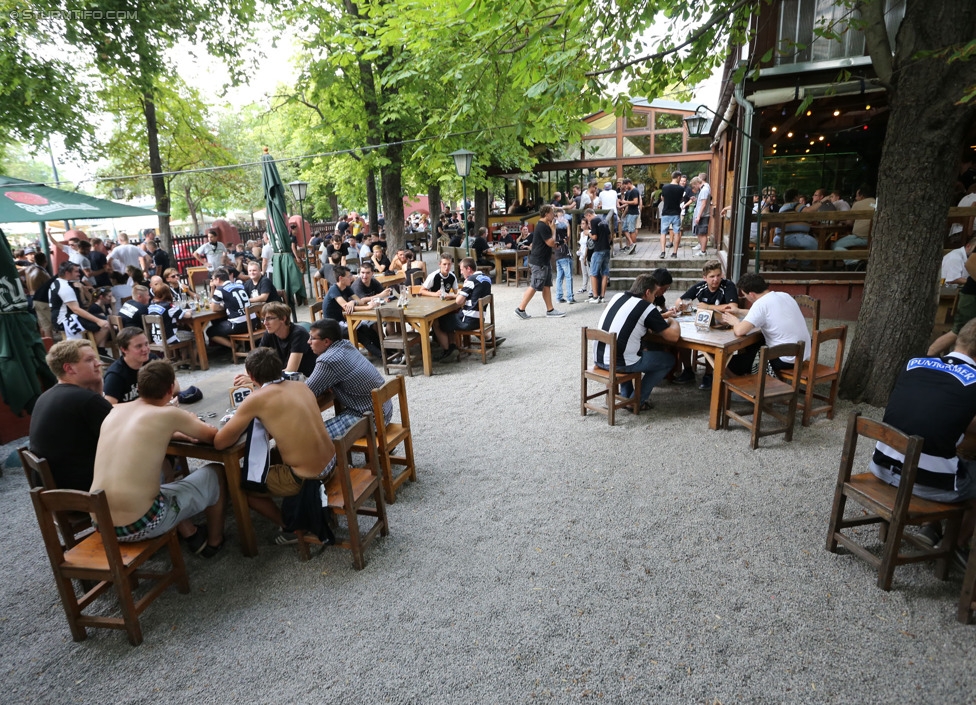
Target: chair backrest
344 443
115 323
394 388
155 330
766 353
416 289
315 311
36 469
52 504
416 277
810 308
255 324
909 446
599 337
390 315
486 307
838 333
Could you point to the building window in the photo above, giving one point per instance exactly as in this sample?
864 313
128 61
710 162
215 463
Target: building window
668 121
798 20
605 148
605 125
667 143
637 121
637 145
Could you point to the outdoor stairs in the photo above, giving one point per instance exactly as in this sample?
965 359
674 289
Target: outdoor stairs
686 269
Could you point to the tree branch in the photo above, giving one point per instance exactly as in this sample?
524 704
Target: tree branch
521 45
692 38
876 38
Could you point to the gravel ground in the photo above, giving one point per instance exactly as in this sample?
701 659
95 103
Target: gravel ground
541 556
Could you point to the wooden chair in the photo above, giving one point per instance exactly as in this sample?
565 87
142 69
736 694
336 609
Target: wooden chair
395 334
115 323
182 351
72 525
255 331
609 379
391 435
893 508
517 270
195 273
321 288
315 311
762 391
810 308
100 557
349 490
967 599
416 278
484 336
822 374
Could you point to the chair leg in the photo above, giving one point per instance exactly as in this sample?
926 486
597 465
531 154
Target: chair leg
756 421
836 516
355 540
889 558
612 391
129 616
966 608
808 390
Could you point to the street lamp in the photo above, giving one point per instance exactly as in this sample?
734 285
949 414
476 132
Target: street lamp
462 162
118 193
696 126
299 189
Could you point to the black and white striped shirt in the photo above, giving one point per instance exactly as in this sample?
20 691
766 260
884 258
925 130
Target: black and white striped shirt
630 317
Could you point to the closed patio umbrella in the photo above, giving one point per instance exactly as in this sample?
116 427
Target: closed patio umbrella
287 276
24 373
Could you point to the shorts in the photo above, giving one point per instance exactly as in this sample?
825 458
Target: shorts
283 482
541 276
702 227
224 328
458 321
177 501
670 220
600 263
630 223
965 311
90 326
965 488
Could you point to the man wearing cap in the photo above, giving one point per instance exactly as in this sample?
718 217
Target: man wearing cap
608 201
213 253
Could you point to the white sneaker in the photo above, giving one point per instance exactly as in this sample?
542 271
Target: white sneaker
555 313
593 300
701 253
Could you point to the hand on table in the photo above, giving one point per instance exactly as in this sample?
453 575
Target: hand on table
729 318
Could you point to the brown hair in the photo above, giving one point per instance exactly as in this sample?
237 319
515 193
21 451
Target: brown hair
155 380
162 292
126 335
276 308
263 365
711 265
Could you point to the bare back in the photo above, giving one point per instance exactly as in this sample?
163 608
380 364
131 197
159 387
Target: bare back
291 416
130 452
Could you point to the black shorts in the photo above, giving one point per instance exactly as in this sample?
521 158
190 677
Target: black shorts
88 325
224 328
458 322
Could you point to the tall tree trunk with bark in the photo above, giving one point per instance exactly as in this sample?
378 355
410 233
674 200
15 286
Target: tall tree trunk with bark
391 178
434 203
372 209
918 167
480 208
156 168
334 206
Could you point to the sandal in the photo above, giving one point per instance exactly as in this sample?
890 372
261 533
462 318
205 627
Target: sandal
211 551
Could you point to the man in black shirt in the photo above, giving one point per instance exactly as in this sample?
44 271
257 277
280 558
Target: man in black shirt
258 286
480 246
135 308
67 418
596 228
540 263
672 195
288 340
630 199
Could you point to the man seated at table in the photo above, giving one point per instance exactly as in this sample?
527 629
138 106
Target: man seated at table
288 413
67 418
480 246
287 339
66 310
128 461
121 378
399 260
230 297
442 282
508 238
340 369
954 264
714 293
775 314
935 398
366 288
258 286
413 268
132 311
631 314
341 300
476 285
965 310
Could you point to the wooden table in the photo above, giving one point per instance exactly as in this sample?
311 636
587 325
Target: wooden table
390 279
199 321
501 257
420 313
231 460
718 346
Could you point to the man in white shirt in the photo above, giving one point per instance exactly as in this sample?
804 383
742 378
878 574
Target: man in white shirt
703 209
213 253
608 201
954 264
125 255
267 254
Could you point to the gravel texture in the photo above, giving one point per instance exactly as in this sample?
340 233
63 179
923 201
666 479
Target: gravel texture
541 556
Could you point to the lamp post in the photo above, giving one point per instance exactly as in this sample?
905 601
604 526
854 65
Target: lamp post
299 189
696 124
462 162
118 193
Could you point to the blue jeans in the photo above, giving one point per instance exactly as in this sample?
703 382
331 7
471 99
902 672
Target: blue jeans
655 364
850 242
798 241
564 274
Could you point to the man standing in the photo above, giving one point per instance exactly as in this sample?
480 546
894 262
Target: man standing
476 285
125 255
341 369
608 201
267 255
774 313
127 467
935 398
67 418
671 197
288 413
703 208
598 232
631 201
540 263
70 316
98 257
630 315
213 253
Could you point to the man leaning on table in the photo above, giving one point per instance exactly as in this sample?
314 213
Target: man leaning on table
630 315
775 314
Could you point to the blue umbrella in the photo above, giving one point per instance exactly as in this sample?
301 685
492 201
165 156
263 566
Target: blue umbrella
287 276
24 373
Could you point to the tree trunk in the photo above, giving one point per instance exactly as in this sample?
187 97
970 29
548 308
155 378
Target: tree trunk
392 180
921 151
434 203
372 210
334 206
191 207
480 209
156 168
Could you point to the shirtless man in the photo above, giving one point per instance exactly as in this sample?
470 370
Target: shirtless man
127 466
290 415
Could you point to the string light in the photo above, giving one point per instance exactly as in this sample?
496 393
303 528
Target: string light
836 113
